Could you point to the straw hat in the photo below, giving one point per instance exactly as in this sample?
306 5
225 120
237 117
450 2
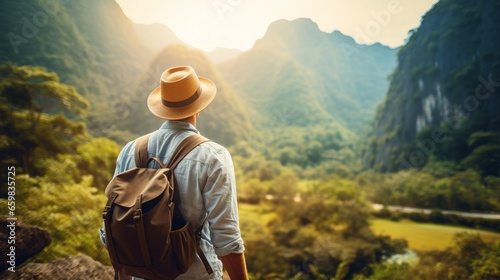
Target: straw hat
181 94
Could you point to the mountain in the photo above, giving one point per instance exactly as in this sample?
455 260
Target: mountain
296 74
109 59
443 98
156 36
304 76
91 45
226 120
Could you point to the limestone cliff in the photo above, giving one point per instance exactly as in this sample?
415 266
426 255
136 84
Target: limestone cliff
445 88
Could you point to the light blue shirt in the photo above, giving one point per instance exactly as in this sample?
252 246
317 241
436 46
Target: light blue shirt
206 184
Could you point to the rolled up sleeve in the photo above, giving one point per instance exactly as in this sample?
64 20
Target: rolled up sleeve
221 203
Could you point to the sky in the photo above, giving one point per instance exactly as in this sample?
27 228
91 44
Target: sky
237 24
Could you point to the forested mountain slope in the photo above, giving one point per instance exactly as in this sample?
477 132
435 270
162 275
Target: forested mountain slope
443 99
299 73
91 45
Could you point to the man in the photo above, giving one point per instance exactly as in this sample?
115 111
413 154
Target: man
205 179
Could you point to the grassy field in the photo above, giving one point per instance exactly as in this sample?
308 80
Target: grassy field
420 236
423 236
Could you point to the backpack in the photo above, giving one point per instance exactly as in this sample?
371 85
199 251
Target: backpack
146 235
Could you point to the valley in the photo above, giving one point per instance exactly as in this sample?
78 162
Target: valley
312 119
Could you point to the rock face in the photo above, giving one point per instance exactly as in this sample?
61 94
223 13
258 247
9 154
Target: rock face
29 241
74 268
447 77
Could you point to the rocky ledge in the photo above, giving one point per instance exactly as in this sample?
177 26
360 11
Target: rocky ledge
74 268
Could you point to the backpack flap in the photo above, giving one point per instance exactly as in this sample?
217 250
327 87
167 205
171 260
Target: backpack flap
150 183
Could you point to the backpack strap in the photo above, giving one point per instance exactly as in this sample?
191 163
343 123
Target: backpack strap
186 146
200 251
141 151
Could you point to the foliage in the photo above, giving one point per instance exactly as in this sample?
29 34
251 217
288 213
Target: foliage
98 157
294 129
58 164
325 235
469 258
436 87
68 198
315 78
226 120
92 46
308 153
485 158
34 89
29 98
462 190
68 210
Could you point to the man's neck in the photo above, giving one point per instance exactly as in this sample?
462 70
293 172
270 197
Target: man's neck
191 120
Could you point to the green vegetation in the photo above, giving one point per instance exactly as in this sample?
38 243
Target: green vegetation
28 93
469 258
426 237
293 113
430 87
324 234
438 217
436 188
61 171
297 75
226 120
73 40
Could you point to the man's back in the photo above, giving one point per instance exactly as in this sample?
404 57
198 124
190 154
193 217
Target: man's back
206 185
204 178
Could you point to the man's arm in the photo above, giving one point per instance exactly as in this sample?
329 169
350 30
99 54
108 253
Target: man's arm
222 209
235 265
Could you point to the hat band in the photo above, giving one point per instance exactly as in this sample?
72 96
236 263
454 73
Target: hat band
182 103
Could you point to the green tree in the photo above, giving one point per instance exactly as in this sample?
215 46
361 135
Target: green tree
98 157
68 210
325 233
466 192
468 258
30 97
487 264
485 159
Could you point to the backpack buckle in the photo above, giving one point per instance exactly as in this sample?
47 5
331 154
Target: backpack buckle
107 208
138 210
105 212
137 216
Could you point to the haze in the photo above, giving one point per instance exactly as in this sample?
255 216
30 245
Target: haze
238 23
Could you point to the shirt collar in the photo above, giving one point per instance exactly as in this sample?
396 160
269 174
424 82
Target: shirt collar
179 125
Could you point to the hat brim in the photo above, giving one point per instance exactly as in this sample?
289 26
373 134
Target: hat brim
155 104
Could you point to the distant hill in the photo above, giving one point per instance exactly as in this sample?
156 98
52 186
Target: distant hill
305 76
219 55
226 120
443 100
91 45
156 36
296 74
